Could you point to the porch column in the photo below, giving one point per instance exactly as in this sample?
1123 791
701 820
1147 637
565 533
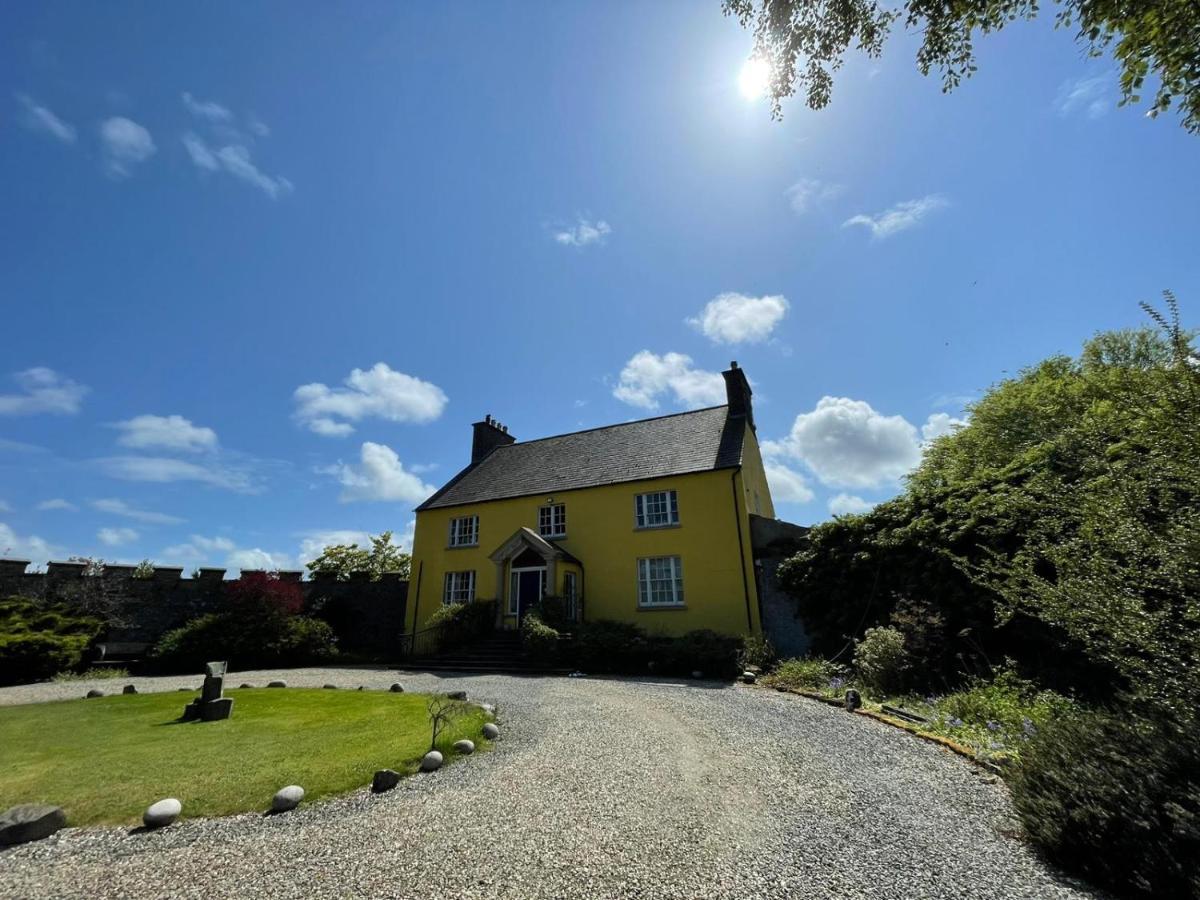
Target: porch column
552 577
501 593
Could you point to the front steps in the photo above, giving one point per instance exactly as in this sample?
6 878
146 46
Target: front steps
497 653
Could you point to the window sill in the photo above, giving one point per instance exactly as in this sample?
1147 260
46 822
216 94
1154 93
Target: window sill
663 606
656 527
474 546
553 537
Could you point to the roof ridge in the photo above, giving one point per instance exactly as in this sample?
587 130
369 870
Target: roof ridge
551 437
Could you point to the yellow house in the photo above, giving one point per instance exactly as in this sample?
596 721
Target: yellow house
645 522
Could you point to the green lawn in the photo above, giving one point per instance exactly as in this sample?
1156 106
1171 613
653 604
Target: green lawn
105 760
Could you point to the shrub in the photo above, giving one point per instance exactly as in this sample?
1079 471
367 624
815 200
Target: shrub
880 660
604 646
95 673
553 611
715 655
538 640
463 622
244 643
39 640
810 673
260 595
756 651
1116 799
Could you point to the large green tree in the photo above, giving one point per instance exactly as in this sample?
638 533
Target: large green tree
805 41
380 558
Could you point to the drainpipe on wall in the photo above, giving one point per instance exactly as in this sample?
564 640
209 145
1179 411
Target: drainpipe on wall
741 550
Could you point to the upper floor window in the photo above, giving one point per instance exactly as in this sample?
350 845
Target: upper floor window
459 588
464 531
552 520
660 581
656 510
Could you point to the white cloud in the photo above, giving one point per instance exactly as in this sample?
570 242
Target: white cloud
235 160
125 143
208 110
787 485
31 547
1091 97
379 476
115 507
900 217
199 152
40 118
849 504
257 126
583 233
808 193
647 376
939 424
259 559
732 318
43 391
167 432
115 537
380 392
57 503
163 470
198 549
846 442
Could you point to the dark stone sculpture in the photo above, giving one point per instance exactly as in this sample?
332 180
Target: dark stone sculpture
211 705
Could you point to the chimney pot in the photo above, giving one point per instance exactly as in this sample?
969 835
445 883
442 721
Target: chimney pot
488 435
737 390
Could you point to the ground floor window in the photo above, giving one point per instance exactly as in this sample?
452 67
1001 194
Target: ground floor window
460 588
660 581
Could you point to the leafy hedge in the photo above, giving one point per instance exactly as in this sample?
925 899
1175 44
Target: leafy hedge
256 627
1117 799
622 648
461 623
538 640
39 640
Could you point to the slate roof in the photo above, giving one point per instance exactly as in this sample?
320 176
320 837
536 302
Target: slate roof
699 441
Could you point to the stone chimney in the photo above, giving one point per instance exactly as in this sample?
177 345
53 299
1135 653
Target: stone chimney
737 389
489 434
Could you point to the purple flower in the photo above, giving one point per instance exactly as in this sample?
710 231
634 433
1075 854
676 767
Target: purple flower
1028 727
993 725
956 722
995 745
835 683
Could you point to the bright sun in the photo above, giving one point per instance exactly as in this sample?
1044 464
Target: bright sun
753 80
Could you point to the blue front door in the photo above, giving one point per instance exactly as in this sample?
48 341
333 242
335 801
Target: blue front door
529 590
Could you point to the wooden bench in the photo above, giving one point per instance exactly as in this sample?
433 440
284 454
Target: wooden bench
112 653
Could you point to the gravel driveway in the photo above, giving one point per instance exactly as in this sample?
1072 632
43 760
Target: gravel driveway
598 788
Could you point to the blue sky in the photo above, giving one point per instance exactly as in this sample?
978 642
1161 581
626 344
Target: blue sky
262 265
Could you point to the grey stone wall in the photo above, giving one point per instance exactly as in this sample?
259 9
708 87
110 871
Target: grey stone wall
772 541
367 615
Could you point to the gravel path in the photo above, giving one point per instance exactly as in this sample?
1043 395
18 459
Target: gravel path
597 789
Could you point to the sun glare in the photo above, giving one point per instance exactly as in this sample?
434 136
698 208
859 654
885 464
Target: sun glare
753 80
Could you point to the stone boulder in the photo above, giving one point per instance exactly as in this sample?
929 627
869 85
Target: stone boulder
162 813
464 747
397 688
287 798
457 695
749 677
245 685
30 822
93 693
129 689
276 684
853 700
431 761
330 687
384 780
491 731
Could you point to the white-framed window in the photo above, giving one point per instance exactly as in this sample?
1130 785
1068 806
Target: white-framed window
464 531
660 581
460 588
656 510
552 520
